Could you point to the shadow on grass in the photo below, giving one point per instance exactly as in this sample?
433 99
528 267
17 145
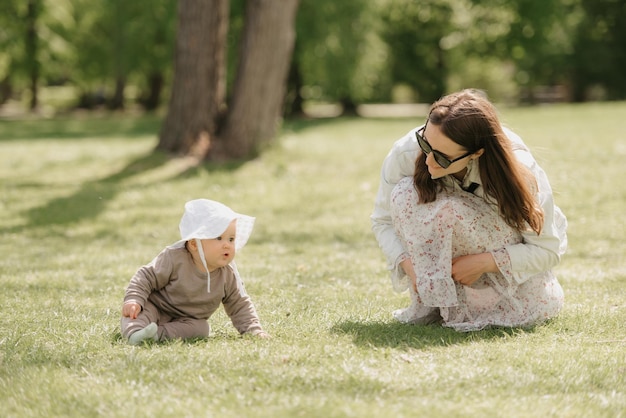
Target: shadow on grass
93 196
210 167
91 199
398 335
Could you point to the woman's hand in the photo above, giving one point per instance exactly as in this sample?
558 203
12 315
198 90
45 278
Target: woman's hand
407 266
468 268
131 310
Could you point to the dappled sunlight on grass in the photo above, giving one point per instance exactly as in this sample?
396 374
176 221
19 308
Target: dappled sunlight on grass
86 201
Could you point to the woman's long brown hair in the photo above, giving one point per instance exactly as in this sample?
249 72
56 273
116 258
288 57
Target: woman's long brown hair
471 121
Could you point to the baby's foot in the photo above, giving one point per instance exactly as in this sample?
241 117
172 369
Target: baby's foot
147 333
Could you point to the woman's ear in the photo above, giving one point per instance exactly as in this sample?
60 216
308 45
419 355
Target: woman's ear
479 152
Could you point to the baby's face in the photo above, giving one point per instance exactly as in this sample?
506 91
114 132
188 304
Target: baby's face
220 251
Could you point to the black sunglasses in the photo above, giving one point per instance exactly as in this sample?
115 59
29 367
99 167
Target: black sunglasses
441 159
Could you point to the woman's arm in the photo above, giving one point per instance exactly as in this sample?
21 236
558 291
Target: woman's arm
399 163
537 253
541 252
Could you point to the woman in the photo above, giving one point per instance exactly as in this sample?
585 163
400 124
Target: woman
467 221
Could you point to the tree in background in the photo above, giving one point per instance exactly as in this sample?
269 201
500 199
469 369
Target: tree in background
198 121
114 53
118 43
11 48
88 36
414 32
256 105
198 87
20 37
600 44
539 41
31 62
333 60
476 53
153 37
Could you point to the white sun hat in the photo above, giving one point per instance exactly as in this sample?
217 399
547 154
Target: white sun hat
208 219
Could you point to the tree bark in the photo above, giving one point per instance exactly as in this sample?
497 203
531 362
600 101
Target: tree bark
32 49
6 89
117 101
198 88
152 97
260 85
294 102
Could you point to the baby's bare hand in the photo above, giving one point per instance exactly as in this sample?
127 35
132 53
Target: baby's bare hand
131 310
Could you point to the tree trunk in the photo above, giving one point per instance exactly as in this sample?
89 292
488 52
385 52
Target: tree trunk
259 89
348 107
32 47
6 89
294 102
117 101
198 88
152 98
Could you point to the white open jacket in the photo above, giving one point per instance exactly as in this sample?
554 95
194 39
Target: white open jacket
537 253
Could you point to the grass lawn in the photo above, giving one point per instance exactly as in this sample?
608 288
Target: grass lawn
84 202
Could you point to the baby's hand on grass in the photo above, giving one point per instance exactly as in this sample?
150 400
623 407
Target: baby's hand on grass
263 335
131 310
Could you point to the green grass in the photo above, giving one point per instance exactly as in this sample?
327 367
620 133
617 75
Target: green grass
85 201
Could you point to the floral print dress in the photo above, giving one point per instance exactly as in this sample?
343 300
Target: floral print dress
460 223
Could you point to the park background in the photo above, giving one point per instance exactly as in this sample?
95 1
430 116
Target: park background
60 54
92 188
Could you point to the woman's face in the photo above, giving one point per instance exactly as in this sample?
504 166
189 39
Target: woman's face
450 149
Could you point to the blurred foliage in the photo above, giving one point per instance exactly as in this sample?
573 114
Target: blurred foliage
332 50
600 43
115 52
414 32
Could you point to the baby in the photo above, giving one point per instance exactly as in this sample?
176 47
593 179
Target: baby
176 293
